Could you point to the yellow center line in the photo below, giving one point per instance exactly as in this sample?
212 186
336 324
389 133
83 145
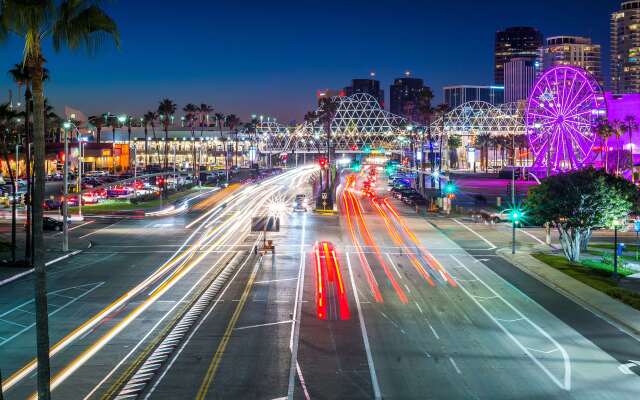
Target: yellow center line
217 357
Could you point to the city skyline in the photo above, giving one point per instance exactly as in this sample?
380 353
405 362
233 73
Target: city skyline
291 70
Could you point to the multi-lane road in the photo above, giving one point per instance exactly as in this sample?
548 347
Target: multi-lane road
183 306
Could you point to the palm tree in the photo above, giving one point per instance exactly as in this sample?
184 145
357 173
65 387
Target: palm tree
326 114
68 23
232 122
204 111
191 117
618 131
604 131
441 110
483 141
148 119
9 138
166 109
426 114
98 121
220 121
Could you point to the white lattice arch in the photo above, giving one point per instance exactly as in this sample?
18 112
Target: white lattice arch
479 118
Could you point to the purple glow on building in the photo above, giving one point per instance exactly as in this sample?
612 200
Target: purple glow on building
561 112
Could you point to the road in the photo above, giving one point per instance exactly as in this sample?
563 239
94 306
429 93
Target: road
433 311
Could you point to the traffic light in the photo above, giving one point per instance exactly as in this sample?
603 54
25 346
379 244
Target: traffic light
450 188
516 215
323 162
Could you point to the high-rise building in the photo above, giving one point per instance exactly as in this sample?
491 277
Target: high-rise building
460 94
571 50
625 48
327 93
515 42
405 96
370 86
519 78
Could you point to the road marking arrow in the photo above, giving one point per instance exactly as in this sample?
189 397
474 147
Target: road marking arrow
626 368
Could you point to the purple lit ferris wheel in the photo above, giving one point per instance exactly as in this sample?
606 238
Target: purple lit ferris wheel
561 113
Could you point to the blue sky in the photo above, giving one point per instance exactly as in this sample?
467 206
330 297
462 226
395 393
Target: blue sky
263 57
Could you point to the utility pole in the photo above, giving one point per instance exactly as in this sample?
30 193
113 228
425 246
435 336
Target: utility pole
615 252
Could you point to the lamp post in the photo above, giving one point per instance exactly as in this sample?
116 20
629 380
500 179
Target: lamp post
65 204
79 182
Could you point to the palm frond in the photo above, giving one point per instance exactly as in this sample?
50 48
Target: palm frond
83 25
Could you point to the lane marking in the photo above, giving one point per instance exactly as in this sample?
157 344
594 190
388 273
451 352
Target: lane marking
407 287
419 308
566 383
276 280
531 236
75 227
394 265
265 324
434 331
363 329
455 366
100 230
491 245
295 327
222 346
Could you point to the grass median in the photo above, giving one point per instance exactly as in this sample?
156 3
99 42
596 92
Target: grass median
115 205
600 279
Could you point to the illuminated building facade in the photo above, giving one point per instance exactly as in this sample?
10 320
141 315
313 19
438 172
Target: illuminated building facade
577 51
625 48
515 42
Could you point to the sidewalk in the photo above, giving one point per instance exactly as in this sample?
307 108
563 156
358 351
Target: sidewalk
618 312
53 252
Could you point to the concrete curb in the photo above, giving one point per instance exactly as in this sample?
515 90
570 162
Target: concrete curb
624 317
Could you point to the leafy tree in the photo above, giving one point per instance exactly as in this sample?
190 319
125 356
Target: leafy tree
577 202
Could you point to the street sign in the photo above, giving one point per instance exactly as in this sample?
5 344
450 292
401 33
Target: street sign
636 225
325 196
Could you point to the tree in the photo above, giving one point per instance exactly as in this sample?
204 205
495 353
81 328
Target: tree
618 131
98 121
191 117
630 125
426 113
73 24
441 110
204 111
577 202
166 109
220 122
453 142
604 131
483 141
9 139
326 114
232 122
148 119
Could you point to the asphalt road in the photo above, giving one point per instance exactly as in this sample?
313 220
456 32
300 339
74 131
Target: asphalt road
434 313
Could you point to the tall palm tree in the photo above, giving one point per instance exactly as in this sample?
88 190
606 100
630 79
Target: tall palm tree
72 24
618 131
166 109
426 113
441 110
148 119
220 122
232 122
483 141
604 130
204 111
9 138
98 121
326 114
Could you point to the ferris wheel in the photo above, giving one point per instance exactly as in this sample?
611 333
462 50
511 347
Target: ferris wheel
561 114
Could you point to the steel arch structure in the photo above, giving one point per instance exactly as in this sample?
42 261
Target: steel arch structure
480 118
359 122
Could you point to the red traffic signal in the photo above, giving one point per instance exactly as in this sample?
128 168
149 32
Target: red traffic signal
323 162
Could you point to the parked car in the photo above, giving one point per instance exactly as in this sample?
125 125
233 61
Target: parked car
50 224
51 204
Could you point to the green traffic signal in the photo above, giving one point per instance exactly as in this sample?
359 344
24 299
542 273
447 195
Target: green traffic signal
450 188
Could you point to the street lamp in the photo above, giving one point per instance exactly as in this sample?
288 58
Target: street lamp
65 205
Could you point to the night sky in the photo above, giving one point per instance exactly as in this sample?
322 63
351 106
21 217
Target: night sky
270 57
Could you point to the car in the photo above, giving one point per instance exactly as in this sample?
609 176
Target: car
51 204
300 204
50 224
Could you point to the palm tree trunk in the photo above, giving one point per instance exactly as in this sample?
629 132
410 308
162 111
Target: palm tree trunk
236 150
5 153
146 148
42 318
166 148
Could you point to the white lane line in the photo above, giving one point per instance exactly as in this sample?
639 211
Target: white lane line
491 245
276 280
294 339
394 266
372 371
262 325
48 263
419 308
195 329
100 230
434 331
75 227
566 382
407 287
302 382
531 236
455 366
